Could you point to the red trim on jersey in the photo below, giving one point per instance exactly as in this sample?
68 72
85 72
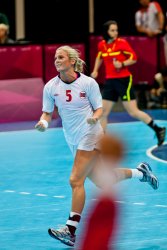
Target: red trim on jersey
119 50
158 7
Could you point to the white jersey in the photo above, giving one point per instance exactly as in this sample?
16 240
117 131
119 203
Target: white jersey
148 18
76 102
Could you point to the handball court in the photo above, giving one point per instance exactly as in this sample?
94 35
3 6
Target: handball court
35 192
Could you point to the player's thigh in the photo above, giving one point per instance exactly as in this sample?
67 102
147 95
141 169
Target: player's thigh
83 164
109 92
130 106
125 89
107 106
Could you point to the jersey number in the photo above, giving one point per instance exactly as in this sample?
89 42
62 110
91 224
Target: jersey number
69 96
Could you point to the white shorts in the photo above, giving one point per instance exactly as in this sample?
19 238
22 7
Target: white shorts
88 143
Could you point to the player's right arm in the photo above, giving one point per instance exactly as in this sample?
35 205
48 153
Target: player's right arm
44 121
98 62
48 108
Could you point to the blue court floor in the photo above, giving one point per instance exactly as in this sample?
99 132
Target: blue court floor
35 194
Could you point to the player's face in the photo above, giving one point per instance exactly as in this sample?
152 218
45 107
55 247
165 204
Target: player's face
62 61
2 32
113 31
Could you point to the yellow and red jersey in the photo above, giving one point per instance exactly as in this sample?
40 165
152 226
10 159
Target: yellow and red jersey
119 50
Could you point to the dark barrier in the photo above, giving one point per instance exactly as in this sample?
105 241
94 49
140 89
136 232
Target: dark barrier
21 99
21 62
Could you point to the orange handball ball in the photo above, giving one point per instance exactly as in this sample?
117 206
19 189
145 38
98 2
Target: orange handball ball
111 147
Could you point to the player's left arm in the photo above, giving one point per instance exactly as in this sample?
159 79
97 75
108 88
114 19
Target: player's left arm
161 20
48 108
129 53
95 99
160 16
96 116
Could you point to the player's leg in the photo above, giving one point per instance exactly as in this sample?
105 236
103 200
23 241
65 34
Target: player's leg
132 109
143 172
107 107
110 97
79 173
81 169
127 95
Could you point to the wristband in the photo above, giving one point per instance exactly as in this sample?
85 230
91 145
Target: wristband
45 123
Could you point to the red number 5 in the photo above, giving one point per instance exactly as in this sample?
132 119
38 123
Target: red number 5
69 96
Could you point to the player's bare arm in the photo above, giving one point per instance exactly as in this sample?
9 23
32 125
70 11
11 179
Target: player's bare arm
96 116
44 121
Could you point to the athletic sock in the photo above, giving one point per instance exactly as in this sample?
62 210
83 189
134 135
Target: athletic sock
153 126
72 222
137 174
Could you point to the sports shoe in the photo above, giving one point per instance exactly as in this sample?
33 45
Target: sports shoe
62 234
148 176
161 133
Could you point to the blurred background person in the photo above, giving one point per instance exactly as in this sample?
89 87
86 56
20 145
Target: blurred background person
159 89
4 34
102 222
149 19
118 55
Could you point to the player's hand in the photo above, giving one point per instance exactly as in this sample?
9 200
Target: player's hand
117 64
94 74
92 120
40 126
150 33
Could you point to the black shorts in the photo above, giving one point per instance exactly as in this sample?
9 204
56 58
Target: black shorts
118 87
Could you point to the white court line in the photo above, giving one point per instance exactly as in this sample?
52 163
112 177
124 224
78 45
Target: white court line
25 193
63 197
148 152
59 196
9 191
160 205
41 195
139 203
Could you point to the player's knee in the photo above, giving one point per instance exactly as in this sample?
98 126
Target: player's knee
75 182
133 113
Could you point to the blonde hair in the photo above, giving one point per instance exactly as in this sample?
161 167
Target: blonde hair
4 26
74 54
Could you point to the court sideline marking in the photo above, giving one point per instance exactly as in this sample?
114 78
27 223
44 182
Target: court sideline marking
63 197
